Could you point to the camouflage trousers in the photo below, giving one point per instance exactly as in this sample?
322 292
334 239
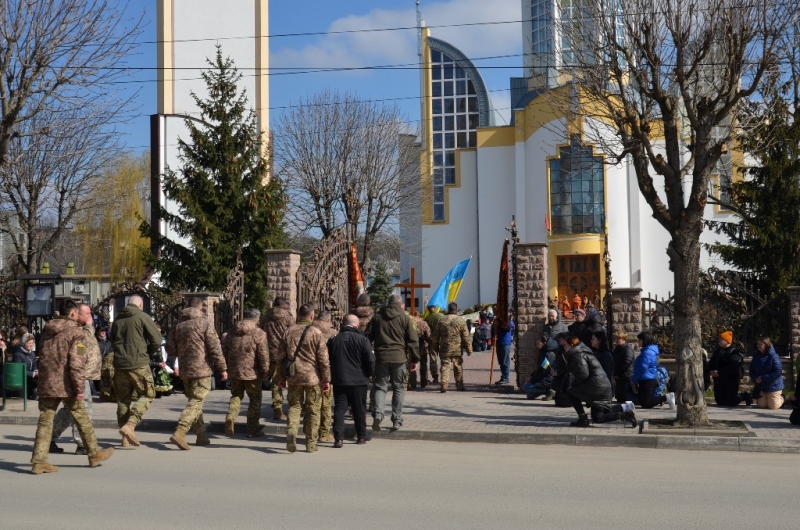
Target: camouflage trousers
277 392
44 429
196 391
326 413
423 370
135 392
63 418
458 369
308 399
253 390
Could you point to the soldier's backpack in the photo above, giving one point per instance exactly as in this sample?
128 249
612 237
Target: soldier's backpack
288 365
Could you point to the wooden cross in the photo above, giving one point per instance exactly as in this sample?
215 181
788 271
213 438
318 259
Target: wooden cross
413 286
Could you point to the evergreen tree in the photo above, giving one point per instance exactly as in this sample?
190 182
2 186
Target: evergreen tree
765 240
381 286
225 201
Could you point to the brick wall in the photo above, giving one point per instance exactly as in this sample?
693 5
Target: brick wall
532 290
626 313
282 267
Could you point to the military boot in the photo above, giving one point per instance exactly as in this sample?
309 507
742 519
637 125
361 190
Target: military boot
279 415
102 454
127 432
38 469
257 432
125 443
179 439
326 438
291 443
228 426
202 439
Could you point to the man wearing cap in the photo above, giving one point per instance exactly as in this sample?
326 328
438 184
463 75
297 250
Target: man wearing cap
554 324
727 369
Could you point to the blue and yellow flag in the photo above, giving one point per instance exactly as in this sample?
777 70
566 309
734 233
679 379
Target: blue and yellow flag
448 289
545 363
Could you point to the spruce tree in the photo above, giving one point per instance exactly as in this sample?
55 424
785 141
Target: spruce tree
765 240
381 286
225 200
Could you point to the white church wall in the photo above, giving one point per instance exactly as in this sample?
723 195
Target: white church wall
539 148
445 244
496 205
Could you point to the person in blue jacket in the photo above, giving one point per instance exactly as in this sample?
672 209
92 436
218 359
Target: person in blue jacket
766 371
645 374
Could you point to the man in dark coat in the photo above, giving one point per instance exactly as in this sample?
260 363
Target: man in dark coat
727 369
591 385
554 325
352 364
541 380
623 365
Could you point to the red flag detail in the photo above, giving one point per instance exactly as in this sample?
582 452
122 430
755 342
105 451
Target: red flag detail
501 313
356 278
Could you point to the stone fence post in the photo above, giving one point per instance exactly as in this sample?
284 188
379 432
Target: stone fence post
626 314
794 323
282 267
532 290
209 299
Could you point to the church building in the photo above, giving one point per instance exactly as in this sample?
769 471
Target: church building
544 170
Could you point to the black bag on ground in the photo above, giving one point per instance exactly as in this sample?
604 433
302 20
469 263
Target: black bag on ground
287 364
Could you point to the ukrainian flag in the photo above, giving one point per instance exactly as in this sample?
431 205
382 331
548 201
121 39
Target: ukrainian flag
448 289
545 363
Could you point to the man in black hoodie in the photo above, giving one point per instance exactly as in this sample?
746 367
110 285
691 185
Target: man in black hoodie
396 343
352 364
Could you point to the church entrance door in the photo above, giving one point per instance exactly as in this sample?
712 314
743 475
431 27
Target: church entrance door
579 274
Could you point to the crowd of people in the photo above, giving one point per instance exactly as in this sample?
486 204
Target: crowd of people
326 372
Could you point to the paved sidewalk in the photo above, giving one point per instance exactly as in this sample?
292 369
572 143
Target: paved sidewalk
482 413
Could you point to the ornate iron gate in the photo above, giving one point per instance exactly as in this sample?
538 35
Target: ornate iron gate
230 309
324 278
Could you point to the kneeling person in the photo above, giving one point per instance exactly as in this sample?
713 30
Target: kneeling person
194 341
245 351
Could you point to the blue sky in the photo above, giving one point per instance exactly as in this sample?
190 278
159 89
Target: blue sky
330 50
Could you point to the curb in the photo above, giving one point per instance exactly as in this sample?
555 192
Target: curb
646 441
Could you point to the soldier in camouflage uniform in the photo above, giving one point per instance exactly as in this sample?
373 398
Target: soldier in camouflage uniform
195 343
323 323
433 318
424 334
92 373
277 321
245 351
135 339
312 370
450 339
62 377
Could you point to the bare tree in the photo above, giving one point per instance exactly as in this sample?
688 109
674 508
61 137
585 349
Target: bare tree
662 83
345 163
56 55
49 178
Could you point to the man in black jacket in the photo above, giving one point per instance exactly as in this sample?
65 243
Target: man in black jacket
352 363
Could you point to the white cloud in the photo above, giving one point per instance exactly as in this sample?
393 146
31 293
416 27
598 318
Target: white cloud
400 47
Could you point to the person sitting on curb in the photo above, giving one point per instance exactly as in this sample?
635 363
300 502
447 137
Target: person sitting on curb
591 385
766 371
541 380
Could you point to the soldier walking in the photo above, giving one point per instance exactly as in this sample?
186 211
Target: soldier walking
135 338
62 376
450 339
276 322
92 373
433 318
305 346
195 343
396 343
245 351
323 323
424 334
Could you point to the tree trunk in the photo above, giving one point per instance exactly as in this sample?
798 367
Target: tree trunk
684 253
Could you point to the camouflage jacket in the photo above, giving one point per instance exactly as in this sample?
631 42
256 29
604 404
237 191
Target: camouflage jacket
311 364
451 337
326 328
93 357
275 324
195 343
245 351
424 334
62 360
365 315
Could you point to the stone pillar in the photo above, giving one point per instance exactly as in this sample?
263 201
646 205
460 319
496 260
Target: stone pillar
532 291
626 313
794 323
282 267
209 299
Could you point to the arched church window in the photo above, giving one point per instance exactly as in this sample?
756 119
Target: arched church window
577 195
